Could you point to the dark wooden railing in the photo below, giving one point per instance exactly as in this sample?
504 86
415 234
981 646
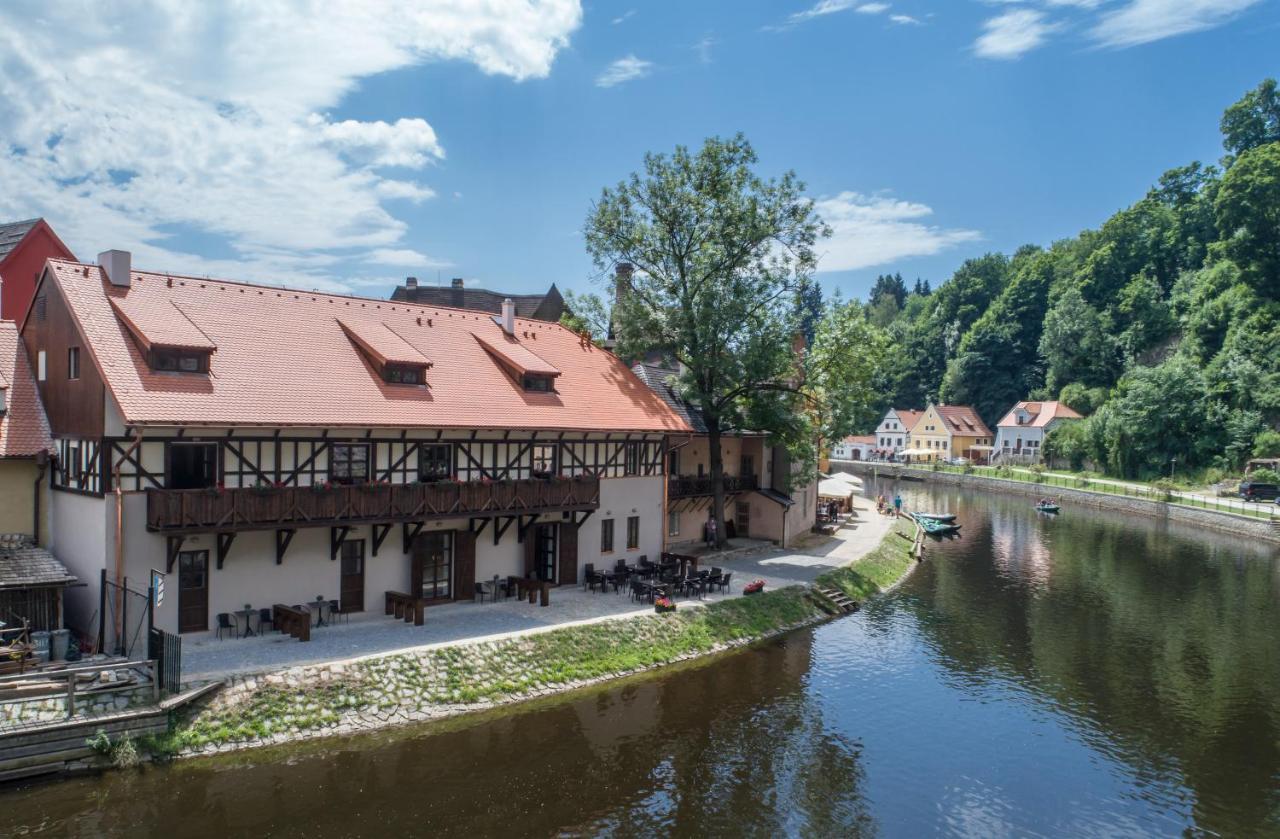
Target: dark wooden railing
690 486
261 508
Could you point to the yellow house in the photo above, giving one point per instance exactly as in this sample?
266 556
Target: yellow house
950 431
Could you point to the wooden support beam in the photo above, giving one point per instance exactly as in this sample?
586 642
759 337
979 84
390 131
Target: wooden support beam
409 531
525 523
224 546
173 546
500 526
337 535
283 538
586 514
476 531
380 532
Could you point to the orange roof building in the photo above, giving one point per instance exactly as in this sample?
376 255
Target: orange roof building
273 443
25 442
1021 432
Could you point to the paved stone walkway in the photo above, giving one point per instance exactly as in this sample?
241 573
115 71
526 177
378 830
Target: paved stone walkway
372 633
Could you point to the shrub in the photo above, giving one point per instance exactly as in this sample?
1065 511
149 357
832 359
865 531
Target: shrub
1164 488
1263 476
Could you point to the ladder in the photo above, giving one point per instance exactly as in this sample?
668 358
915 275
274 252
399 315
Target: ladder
838 599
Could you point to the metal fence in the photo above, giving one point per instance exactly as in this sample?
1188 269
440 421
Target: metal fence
166 649
123 615
1234 506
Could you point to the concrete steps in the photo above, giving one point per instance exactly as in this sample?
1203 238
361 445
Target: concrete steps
841 601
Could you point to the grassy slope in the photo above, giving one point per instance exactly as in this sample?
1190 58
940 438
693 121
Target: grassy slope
877 570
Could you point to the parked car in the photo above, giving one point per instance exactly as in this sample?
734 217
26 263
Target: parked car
1251 491
957 461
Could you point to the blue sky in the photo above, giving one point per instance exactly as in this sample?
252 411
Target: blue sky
349 148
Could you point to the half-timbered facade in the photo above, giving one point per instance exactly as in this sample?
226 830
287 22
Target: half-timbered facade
263 445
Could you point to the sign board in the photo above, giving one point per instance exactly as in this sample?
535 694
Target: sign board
157 586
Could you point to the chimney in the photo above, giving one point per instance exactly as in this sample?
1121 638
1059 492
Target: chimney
117 264
410 282
508 316
456 282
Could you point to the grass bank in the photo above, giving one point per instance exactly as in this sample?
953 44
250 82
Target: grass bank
434 683
878 570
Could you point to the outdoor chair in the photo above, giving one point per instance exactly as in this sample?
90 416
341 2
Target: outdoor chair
225 625
335 612
589 577
265 621
713 579
637 590
481 592
723 583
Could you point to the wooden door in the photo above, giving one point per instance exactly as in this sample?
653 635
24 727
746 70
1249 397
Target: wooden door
464 565
193 591
544 552
431 572
568 554
352 584
742 518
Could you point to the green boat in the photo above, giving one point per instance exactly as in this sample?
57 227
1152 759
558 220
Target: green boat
946 518
1047 508
932 526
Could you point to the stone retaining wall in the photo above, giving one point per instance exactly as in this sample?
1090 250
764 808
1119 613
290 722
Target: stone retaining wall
1240 525
54 708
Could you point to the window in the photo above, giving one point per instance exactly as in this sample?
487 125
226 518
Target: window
538 384
606 536
349 463
544 460
192 466
435 558
673 523
72 468
41 366
398 374
435 462
176 361
73 362
632 457
673 467
633 532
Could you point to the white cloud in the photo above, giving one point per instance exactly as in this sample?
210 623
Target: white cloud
1010 35
905 19
871 230
403 257
830 7
704 47
624 17
406 142
127 124
624 70
1143 21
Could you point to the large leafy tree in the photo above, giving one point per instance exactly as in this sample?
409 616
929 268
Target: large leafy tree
1248 210
1254 120
721 255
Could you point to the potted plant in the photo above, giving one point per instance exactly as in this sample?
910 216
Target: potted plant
754 587
663 605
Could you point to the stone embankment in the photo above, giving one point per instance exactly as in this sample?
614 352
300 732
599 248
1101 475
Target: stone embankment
1169 511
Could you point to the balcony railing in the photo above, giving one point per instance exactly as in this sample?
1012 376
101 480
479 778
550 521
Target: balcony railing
690 486
262 508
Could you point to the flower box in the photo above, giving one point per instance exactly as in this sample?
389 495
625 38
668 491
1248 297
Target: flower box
664 605
754 587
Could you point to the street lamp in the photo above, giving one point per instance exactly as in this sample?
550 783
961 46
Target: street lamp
1173 464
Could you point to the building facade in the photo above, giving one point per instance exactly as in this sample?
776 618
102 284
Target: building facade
24 247
1020 433
950 431
765 496
261 445
857 447
893 434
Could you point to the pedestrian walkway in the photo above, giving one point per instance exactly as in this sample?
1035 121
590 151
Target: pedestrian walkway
464 622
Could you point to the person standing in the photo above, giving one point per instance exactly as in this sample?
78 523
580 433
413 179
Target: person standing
711 531
897 503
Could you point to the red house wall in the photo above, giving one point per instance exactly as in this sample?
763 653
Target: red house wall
21 268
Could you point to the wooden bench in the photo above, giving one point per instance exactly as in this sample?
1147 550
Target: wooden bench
293 621
534 588
406 606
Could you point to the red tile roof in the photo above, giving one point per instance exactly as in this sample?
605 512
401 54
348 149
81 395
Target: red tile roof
160 323
24 430
866 439
908 418
283 358
963 420
1042 413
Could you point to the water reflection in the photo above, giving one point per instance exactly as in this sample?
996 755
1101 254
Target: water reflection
730 748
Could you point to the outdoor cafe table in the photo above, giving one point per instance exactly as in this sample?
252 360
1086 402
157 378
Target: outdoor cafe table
527 586
318 606
246 614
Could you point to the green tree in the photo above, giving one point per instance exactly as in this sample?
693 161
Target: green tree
1253 121
1082 399
1267 443
1076 344
891 285
1143 315
1248 213
586 314
720 254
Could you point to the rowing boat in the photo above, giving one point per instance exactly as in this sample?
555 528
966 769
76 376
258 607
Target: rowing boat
1047 508
943 517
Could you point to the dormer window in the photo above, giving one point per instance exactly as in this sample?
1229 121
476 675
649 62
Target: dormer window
4 402
179 361
399 374
538 384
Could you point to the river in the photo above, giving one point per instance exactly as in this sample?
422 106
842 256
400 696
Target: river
1081 675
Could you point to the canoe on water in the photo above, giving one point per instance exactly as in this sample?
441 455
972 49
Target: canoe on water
1048 508
943 517
933 527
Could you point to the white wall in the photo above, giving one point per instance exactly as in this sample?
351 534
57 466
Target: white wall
621 498
80 537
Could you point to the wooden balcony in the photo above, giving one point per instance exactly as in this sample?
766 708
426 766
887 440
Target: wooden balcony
255 508
694 486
